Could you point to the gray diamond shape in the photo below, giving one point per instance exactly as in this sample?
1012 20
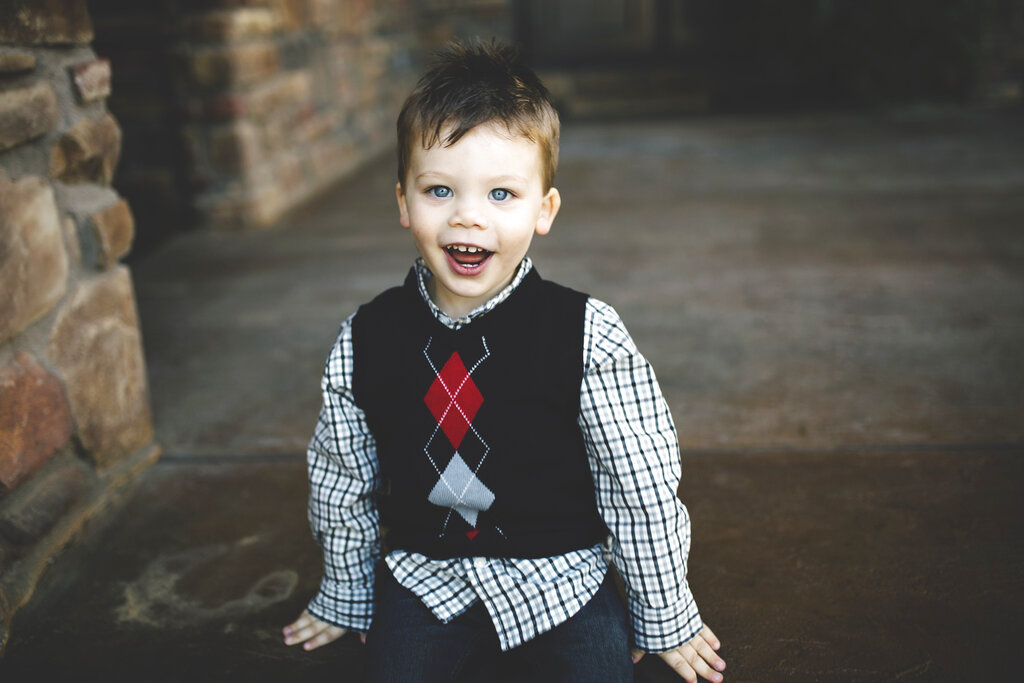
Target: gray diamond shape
459 488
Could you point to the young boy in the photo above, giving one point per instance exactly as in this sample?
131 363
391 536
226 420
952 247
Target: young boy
503 429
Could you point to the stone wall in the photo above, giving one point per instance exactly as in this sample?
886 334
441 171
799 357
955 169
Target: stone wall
74 405
283 98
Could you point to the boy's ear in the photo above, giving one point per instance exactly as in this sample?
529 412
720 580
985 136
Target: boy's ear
548 210
403 210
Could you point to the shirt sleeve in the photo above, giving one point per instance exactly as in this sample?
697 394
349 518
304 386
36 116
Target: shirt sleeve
343 480
634 457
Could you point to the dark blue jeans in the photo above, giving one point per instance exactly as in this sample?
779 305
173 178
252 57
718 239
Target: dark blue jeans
407 644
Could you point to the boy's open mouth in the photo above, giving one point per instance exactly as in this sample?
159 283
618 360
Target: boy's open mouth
466 256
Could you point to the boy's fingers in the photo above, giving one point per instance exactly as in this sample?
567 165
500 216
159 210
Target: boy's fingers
299 635
308 633
311 632
700 666
707 654
304 620
329 634
637 656
679 664
709 636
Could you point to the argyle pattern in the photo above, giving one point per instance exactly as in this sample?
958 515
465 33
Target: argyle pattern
454 399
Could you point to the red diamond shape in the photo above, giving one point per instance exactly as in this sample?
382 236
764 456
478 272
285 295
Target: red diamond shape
471 534
453 399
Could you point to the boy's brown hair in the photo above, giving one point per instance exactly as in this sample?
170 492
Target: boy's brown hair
469 85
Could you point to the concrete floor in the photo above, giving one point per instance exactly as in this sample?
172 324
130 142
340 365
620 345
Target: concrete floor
834 306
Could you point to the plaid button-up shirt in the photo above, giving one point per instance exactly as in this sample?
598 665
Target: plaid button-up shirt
633 454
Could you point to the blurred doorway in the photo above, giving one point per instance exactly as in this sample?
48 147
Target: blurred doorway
613 58
601 32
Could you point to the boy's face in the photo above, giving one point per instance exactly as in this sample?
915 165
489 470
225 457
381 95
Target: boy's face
473 209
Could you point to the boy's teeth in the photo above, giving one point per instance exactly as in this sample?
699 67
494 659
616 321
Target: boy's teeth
466 255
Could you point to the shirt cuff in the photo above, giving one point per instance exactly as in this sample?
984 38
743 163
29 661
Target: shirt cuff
660 629
349 607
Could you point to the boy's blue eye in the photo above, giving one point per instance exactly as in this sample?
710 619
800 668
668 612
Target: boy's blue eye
500 195
440 191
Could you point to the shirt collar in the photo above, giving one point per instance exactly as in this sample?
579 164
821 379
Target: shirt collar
423 274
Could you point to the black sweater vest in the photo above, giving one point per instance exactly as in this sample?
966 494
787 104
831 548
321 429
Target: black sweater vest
476 428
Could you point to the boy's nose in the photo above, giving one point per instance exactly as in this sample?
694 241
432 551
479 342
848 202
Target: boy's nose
467 214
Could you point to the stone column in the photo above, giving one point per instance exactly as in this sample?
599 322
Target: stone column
74 402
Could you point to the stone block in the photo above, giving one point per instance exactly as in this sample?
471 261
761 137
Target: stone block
294 13
285 91
233 65
88 153
97 346
236 148
45 504
91 80
323 13
45 22
114 229
225 107
291 177
33 260
358 15
241 23
16 62
319 125
282 130
26 113
293 89
35 419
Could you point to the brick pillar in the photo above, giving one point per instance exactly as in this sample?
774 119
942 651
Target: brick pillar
284 97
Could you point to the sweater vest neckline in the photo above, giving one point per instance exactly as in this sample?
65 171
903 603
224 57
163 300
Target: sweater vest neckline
411 288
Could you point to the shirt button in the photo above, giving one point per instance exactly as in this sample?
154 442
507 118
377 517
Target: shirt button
479 562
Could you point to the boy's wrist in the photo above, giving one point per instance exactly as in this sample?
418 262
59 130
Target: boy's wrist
358 606
354 623
660 629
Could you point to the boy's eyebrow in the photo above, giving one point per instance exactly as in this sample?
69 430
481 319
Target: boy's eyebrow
491 180
511 177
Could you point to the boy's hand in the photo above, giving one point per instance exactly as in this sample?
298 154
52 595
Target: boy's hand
695 658
312 632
